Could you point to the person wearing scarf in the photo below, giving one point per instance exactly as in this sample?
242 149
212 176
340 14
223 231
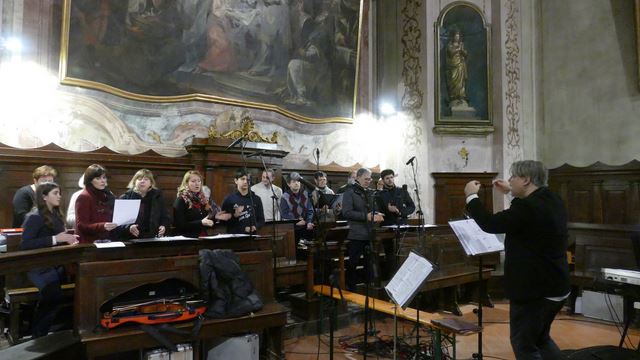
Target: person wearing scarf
192 213
295 204
94 207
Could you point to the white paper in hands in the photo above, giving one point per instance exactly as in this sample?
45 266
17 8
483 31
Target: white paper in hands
125 211
408 279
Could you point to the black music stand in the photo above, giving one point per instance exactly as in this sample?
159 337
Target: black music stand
476 242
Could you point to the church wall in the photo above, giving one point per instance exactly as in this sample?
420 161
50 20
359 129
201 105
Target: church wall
36 110
590 82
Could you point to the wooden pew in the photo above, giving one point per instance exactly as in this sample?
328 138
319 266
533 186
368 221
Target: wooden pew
99 281
18 262
426 319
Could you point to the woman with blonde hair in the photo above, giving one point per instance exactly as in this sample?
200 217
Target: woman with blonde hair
152 220
192 213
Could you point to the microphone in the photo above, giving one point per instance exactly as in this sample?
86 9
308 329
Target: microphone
410 160
318 153
235 142
257 153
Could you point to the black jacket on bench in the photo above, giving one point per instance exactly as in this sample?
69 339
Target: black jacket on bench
535 245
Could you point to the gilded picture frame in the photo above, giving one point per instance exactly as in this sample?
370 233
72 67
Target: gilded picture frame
298 58
463 71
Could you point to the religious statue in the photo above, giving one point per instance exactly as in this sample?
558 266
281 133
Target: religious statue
456 70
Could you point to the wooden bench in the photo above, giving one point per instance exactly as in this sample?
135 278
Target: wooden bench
99 281
454 269
413 315
19 290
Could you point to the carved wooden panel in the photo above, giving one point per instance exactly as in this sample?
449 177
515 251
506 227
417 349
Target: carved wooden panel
17 165
602 245
599 193
450 201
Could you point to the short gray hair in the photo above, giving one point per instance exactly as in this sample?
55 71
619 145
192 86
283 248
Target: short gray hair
362 171
534 170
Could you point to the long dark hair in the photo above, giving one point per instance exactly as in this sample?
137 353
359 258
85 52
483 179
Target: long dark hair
50 216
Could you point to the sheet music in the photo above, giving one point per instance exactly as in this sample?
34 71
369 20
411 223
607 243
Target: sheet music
408 279
408 226
224 236
473 239
125 211
173 238
108 244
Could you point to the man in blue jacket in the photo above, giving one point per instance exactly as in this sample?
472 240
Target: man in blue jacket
536 271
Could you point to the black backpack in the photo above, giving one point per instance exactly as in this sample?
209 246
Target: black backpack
225 287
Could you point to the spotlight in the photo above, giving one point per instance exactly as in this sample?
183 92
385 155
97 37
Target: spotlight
387 108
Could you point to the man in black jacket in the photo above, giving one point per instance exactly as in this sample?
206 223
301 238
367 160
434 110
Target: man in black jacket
536 271
357 208
245 207
395 202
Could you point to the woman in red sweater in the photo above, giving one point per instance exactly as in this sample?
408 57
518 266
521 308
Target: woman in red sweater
94 207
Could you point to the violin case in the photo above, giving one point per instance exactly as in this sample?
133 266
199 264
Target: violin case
168 301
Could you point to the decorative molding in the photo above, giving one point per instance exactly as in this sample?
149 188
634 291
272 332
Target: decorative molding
512 67
464 130
411 70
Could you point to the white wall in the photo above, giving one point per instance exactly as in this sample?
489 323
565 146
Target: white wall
590 82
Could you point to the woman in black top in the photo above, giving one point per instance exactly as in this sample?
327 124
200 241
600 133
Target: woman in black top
44 227
192 213
153 219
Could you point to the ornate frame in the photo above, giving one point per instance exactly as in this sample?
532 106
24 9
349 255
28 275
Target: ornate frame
473 116
276 106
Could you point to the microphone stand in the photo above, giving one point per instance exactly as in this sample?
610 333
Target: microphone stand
369 266
252 213
274 205
419 235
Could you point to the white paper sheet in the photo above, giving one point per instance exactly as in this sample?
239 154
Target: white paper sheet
125 211
473 239
224 236
408 279
109 244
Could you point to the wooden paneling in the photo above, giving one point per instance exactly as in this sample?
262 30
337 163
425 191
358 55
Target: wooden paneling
599 193
17 165
449 193
602 245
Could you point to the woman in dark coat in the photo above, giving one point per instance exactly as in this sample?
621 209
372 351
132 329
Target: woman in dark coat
153 219
192 213
44 227
94 207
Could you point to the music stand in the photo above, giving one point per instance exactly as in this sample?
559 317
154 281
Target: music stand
476 242
404 286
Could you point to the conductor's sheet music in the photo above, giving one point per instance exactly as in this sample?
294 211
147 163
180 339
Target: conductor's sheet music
473 239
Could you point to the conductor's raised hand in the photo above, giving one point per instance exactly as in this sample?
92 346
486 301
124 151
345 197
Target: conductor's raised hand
502 185
472 187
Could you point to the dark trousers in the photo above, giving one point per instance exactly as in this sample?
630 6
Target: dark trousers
355 250
50 296
530 324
